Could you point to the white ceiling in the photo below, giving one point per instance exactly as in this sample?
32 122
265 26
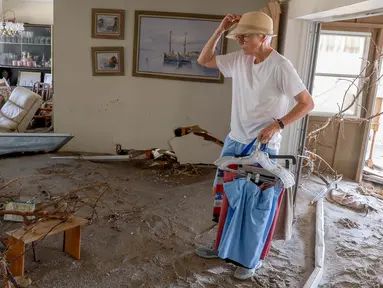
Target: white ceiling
37 0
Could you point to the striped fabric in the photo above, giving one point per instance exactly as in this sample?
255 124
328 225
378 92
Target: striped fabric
218 196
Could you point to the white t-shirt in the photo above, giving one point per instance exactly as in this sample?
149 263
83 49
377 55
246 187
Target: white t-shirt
261 92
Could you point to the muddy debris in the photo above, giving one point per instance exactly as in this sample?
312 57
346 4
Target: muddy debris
347 223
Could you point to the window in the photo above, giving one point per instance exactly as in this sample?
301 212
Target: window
342 56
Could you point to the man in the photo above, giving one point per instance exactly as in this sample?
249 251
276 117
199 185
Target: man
263 84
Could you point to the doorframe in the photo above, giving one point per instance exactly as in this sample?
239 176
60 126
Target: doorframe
368 101
370 105
368 97
295 26
309 73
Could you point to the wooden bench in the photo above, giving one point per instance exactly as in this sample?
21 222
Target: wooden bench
19 237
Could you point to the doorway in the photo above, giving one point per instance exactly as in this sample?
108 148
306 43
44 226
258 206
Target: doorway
346 84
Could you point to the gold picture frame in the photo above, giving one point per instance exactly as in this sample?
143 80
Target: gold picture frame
108 61
172 44
108 24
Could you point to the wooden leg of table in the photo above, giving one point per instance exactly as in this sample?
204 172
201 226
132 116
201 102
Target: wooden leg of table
73 242
15 254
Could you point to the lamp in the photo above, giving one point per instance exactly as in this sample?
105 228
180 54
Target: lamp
9 26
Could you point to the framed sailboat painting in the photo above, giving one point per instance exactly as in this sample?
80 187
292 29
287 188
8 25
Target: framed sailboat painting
167 45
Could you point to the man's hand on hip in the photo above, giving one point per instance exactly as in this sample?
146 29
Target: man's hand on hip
267 133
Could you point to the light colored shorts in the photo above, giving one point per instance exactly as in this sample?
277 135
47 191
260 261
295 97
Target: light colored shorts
234 148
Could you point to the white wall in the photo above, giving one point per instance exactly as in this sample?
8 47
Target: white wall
31 11
138 113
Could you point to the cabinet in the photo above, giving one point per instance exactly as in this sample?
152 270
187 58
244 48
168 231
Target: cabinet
31 51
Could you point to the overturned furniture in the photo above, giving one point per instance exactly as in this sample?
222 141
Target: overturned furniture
18 111
24 143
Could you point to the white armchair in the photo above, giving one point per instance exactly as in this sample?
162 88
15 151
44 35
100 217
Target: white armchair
18 111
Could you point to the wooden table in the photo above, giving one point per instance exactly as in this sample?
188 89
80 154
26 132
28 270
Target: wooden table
18 238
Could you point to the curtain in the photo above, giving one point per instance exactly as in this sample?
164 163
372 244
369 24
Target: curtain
342 43
273 9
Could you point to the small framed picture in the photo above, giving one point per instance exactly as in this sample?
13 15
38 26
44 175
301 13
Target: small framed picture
48 78
108 61
28 79
108 24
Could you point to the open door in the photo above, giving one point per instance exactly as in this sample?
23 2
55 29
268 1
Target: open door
343 53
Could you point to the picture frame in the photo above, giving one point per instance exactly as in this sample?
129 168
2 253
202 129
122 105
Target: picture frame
48 78
108 23
167 46
108 61
28 79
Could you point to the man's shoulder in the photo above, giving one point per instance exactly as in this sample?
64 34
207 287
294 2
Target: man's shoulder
237 54
279 59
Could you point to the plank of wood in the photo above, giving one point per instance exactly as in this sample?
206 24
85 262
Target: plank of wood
354 25
372 178
15 255
316 276
45 229
73 242
314 279
367 170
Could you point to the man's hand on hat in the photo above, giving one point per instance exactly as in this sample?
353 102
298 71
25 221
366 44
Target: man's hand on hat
229 21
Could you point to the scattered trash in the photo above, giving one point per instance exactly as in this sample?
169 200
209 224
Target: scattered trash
370 190
347 223
351 200
120 151
160 154
329 187
19 207
193 144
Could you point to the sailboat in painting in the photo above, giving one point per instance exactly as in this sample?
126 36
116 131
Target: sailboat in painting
176 58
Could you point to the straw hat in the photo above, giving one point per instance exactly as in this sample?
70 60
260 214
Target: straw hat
253 23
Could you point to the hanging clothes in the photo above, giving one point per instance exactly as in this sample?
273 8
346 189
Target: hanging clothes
277 227
267 247
249 218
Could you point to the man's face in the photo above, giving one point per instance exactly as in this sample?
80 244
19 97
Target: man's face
249 43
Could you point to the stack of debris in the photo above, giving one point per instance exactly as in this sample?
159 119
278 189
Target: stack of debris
191 145
194 145
374 175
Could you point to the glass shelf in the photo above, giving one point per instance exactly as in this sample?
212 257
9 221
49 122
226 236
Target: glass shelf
14 43
25 67
31 47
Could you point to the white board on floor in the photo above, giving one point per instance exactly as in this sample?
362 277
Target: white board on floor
193 149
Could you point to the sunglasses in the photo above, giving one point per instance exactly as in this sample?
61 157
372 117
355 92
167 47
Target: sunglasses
244 38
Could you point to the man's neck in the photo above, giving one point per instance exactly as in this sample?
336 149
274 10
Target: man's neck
262 54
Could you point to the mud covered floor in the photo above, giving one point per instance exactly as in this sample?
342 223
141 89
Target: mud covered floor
163 216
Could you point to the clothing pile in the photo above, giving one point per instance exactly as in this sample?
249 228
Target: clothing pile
247 207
